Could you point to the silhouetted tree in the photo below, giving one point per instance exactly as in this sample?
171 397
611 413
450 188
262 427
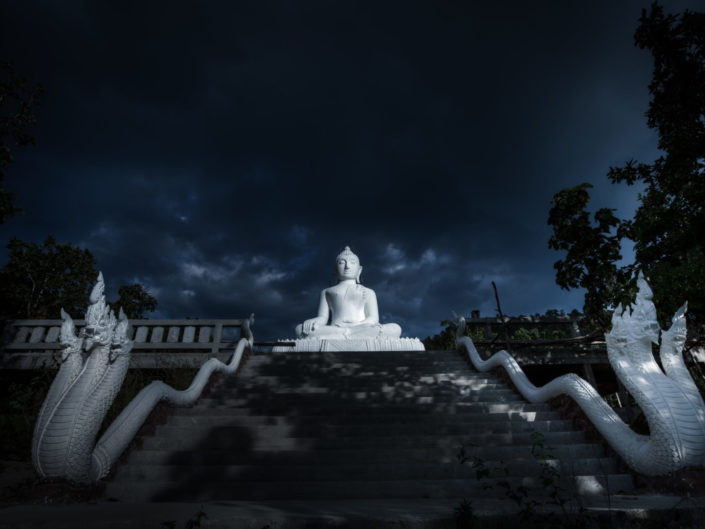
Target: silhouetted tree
592 252
445 340
668 228
18 101
39 280
134 301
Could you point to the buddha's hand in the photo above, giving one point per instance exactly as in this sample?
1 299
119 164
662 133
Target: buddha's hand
310 326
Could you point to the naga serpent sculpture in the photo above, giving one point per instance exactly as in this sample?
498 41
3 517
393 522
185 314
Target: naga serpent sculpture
93 367
670 401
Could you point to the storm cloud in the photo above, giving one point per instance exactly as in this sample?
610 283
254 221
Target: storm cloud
222 154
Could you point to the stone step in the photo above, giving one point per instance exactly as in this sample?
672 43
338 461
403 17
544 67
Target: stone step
192 487
314 406
490 418
358 399
455 378
353 370
330 390
321 360
384 408
346 426
372 380
392 373
314 426
353 471
355 365
443 454
278 438
343 391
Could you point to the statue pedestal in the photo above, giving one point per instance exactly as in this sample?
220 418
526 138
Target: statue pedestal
368 344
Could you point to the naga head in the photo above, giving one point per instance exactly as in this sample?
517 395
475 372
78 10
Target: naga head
461 325
72 343
638 323
121 343
100 320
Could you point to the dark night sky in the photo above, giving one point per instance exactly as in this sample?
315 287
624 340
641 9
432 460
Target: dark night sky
223 154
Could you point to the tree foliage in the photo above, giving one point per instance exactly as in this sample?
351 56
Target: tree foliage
592 247
134 301
18 100
39 280
668 228
445 340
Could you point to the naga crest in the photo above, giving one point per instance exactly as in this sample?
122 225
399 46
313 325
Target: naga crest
638 323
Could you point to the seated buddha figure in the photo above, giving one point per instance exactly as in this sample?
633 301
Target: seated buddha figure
347 310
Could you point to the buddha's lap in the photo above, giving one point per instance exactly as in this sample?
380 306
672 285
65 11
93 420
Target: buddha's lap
362 330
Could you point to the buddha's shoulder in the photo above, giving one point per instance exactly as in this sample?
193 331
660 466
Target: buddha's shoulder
336 289
365 292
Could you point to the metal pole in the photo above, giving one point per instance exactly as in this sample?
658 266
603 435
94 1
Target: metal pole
501 316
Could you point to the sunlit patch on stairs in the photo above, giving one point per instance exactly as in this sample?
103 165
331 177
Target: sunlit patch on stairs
356 425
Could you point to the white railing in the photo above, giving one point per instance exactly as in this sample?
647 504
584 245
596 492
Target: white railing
31 344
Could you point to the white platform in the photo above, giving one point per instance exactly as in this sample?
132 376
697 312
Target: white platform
369 344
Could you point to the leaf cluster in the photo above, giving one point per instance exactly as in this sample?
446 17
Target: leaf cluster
592 249
549 479
40 279
134 301
18 100
445 340
668 228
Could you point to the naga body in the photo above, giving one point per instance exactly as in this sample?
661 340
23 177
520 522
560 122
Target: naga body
94 363
668 397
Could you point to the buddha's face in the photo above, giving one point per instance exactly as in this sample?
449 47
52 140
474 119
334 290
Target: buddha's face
348 267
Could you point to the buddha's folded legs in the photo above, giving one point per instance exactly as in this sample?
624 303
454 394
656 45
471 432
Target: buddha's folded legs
387 330
391 330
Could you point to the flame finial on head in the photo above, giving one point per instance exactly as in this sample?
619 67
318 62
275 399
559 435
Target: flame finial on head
638 321
347 253
98 289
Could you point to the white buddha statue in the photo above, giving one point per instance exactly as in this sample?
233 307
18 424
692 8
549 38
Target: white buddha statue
347 310
348 318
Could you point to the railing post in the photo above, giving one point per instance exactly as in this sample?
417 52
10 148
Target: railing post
189 334
217 337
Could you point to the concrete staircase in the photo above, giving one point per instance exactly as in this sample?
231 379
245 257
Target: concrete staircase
363 426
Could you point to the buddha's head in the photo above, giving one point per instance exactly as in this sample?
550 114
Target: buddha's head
348 265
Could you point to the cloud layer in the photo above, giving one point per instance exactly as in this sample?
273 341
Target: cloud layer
223 155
